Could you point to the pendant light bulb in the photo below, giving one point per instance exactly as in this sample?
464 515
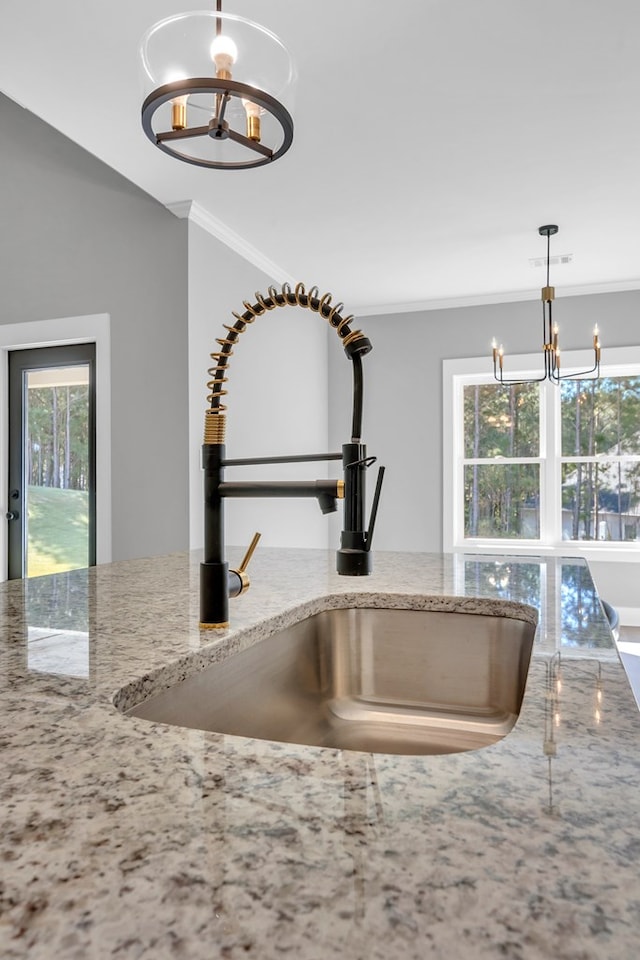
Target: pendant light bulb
224 54
178 104
252 111
179 113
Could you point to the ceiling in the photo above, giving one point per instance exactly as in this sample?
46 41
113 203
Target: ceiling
431 139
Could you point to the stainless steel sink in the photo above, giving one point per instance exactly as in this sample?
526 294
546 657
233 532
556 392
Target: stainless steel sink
377 680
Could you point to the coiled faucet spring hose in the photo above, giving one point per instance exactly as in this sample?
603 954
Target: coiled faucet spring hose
354 342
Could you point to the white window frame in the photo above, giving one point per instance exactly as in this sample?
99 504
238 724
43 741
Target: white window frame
616 362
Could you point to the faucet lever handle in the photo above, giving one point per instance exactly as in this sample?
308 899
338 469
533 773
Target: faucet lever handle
250 551
238 579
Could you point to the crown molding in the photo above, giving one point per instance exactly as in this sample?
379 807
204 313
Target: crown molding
489 299
192 211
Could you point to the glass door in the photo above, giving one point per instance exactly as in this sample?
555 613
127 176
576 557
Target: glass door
52 497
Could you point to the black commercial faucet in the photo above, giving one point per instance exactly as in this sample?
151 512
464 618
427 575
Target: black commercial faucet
354 558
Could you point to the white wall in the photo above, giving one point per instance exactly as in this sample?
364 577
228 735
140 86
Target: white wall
619 583
277 400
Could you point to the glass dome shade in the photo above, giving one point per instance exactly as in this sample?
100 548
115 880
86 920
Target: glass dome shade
221 79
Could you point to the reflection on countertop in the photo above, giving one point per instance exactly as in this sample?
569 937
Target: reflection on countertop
561 589
128 839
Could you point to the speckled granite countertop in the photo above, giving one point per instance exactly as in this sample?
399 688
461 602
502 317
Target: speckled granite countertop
126 839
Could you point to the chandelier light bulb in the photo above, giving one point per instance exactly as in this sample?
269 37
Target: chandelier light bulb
224 54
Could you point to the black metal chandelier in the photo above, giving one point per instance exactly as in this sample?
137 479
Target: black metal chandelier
197 110
551 345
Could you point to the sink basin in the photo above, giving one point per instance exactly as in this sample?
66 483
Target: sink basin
376 680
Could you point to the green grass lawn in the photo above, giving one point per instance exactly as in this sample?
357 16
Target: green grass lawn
57 538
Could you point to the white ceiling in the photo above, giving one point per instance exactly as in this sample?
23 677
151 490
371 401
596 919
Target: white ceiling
432 138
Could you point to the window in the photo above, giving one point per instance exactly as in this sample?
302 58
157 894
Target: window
501 461
600 430
538 466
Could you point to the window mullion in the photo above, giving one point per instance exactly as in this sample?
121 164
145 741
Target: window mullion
551 475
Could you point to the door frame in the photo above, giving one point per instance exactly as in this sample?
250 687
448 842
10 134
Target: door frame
22 362
64 331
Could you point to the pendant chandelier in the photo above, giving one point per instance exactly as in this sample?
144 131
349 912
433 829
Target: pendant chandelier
216 85
551 345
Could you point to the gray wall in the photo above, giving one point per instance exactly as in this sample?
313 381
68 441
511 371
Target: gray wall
76 238
403 401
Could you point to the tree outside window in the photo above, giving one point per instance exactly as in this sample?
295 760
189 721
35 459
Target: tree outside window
601 459
598 485
501 465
